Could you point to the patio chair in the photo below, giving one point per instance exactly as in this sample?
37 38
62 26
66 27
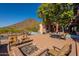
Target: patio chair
64 51
12 42
62 36
25 38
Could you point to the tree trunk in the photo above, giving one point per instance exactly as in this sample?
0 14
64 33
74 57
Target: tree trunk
48 25
57 26
62 29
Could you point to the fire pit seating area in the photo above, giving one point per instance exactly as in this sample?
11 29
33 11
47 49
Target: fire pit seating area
60 35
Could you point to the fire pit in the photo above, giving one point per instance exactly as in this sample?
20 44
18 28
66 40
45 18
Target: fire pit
28 49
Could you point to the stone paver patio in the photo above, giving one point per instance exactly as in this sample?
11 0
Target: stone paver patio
44 41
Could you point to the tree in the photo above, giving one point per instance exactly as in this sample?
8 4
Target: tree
56 12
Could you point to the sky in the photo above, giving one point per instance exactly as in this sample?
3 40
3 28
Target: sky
11 13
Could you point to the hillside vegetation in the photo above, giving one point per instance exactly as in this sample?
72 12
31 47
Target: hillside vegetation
26 25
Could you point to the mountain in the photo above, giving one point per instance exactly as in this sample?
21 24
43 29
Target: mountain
29 25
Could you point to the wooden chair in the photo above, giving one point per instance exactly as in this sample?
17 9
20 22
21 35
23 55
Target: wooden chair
62 35
64 51
12 39
25 38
